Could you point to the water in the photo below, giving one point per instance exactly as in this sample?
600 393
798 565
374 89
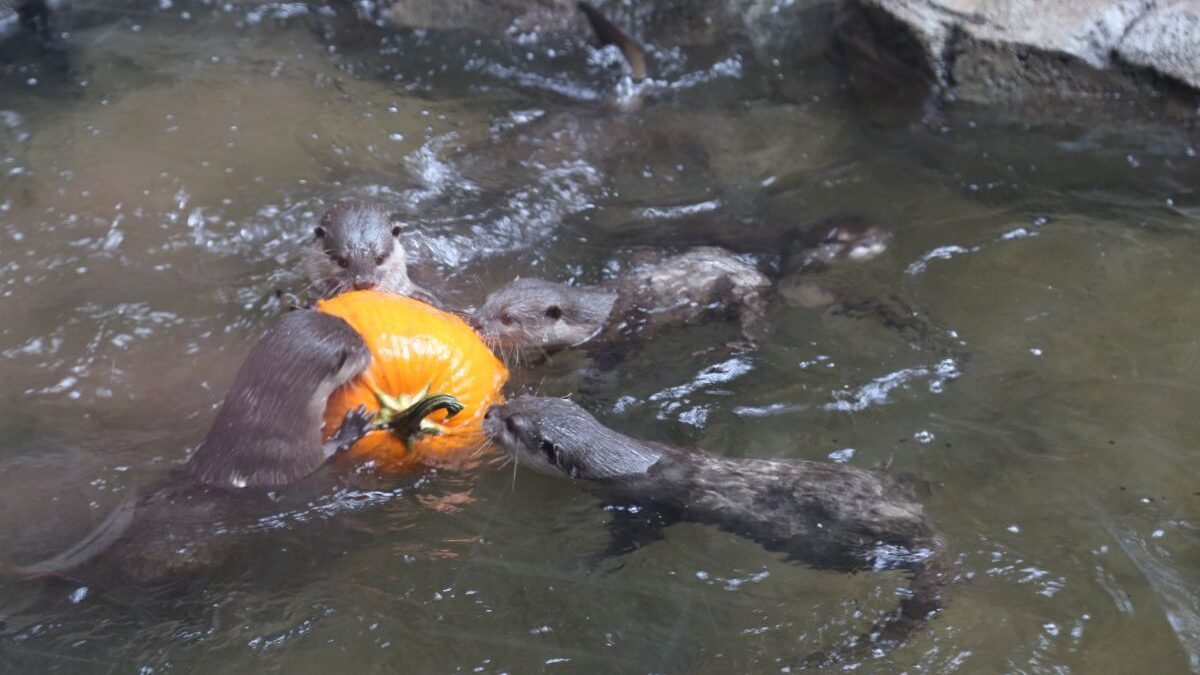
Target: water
158 194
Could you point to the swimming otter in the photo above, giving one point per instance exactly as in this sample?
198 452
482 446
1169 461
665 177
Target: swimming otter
680 289
266 435
840 239
829 516
357 247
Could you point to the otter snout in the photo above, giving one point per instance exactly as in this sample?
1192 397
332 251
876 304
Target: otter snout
362 275
507 425
493 422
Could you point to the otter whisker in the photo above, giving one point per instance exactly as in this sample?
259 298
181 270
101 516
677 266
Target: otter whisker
480 448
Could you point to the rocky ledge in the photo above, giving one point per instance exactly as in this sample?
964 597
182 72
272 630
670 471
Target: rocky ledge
1004 50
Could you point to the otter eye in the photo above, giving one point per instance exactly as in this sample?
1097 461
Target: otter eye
554 312
319 231
379 259
396 231
506 319
547 449
341 262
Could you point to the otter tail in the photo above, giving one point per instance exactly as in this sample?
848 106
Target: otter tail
930 579
608 34
924 599
96 542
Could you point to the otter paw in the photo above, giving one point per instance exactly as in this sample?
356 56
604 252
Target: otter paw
355 425
741 346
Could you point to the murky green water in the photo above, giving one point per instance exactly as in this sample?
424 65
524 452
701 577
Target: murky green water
156 195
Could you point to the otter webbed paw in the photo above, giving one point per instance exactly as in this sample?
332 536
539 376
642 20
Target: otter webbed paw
630 528
355 425
741 346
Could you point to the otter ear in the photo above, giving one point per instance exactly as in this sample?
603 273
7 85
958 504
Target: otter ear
554 312
319 231
518 426
397 221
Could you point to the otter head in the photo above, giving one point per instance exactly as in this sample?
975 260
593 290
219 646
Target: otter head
348 357
532 313
306 350
357 247
557 437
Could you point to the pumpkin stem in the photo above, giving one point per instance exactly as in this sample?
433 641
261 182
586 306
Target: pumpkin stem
405 415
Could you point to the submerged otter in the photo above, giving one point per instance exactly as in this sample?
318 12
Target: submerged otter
268 434
680 289
829 516
357 247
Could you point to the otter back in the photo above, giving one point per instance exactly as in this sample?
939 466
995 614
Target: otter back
268 431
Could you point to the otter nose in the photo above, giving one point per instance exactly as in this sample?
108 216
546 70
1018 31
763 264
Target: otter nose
493 412
363 283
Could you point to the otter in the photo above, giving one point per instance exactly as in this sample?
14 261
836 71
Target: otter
267 435
828 516
835 240
831 242
357 246
680 289
268 430
608 34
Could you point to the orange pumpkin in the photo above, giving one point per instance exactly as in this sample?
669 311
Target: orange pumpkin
418 350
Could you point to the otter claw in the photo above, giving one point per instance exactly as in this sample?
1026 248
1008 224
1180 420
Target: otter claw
741 346
355 425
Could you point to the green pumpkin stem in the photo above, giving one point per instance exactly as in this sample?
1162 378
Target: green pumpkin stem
405 415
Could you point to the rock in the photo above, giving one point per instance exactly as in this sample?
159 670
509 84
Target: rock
1012 50
1167 40
494 17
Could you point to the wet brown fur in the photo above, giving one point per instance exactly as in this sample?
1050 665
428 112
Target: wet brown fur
356 247
608 34
828 516
267 435
686 288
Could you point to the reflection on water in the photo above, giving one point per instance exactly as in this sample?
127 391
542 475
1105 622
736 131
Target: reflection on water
158 193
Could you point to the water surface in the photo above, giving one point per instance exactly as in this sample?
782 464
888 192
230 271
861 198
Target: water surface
158 193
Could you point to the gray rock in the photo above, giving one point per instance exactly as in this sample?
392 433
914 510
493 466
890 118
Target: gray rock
493 17
994 50
1167 40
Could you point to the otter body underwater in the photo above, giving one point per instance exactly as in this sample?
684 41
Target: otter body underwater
267 436
827 516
